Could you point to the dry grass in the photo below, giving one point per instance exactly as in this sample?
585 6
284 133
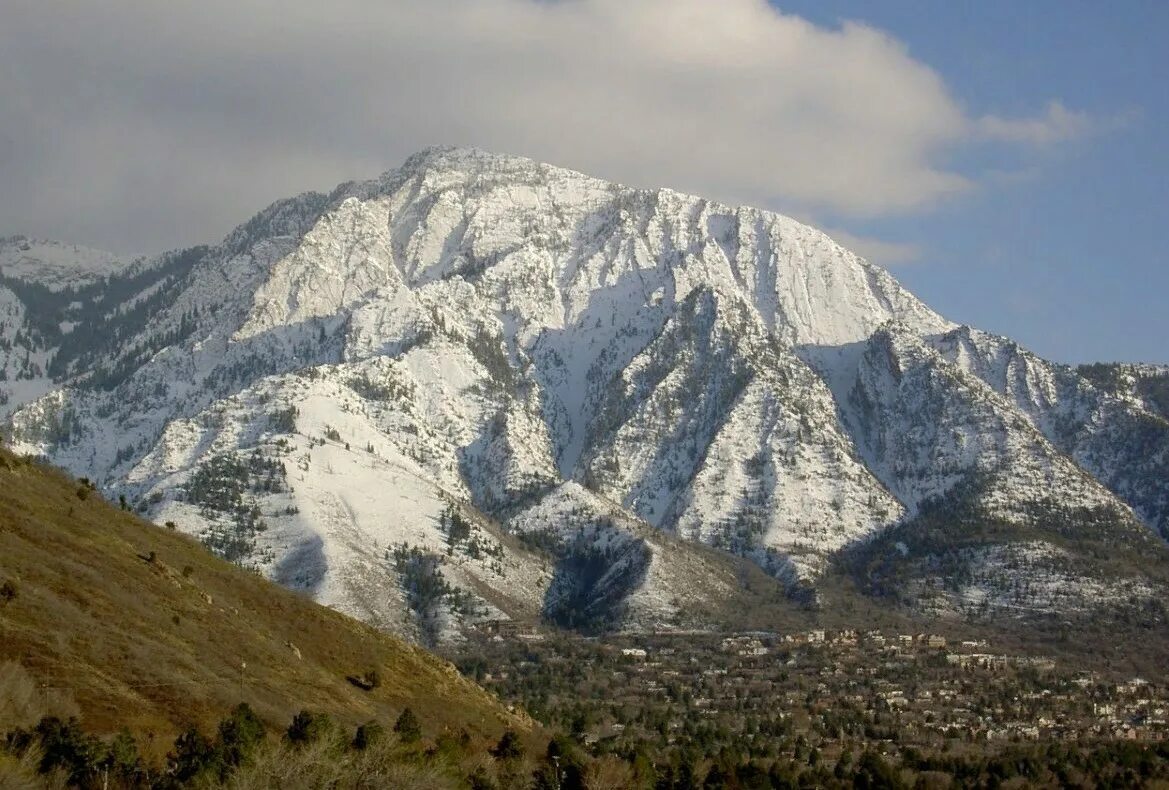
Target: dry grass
23 703
326 764
329 763
20 773
609 773
138 642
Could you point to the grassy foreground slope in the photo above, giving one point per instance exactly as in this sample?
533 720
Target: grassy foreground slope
145 629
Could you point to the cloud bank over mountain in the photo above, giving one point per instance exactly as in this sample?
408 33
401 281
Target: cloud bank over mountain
123 119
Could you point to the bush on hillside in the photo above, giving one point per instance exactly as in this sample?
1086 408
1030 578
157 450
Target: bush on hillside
368 735
408 727
308 727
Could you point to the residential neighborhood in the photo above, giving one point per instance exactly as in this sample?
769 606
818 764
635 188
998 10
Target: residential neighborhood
821 690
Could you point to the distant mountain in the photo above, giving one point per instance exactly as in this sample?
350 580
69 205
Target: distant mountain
480 387
56 265
139 626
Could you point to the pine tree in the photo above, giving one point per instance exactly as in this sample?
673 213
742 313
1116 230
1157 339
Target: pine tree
408 727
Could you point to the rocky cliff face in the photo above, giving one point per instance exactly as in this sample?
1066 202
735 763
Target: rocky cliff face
480 387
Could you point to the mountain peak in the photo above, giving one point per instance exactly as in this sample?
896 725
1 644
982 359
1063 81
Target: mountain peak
612 373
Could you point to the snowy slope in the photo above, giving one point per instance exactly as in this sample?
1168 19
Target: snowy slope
593 378
22 357
56 265
1113 428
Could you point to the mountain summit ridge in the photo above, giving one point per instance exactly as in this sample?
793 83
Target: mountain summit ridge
483 339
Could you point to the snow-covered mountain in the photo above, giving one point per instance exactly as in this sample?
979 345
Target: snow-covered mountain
31 269
480 387
57 266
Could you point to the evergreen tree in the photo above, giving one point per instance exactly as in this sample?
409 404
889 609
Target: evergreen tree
509 747
239 735
308 727
408 727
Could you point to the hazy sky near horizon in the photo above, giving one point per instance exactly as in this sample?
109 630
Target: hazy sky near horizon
1008 161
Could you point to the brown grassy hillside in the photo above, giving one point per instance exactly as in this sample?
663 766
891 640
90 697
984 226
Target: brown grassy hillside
144 628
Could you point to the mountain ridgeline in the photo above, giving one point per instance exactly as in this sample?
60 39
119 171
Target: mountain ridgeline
480 388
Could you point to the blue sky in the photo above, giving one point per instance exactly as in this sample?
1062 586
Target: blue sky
1007 160
1071 258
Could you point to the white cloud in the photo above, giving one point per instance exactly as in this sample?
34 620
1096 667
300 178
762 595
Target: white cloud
137 124
1056 124
889 254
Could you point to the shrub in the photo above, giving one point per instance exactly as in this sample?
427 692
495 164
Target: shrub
369 734
308 727
611 773
193 756
509 747
22 769
8 592
479 780
122 760
85 488
452 744
408 727
66 747
239 735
